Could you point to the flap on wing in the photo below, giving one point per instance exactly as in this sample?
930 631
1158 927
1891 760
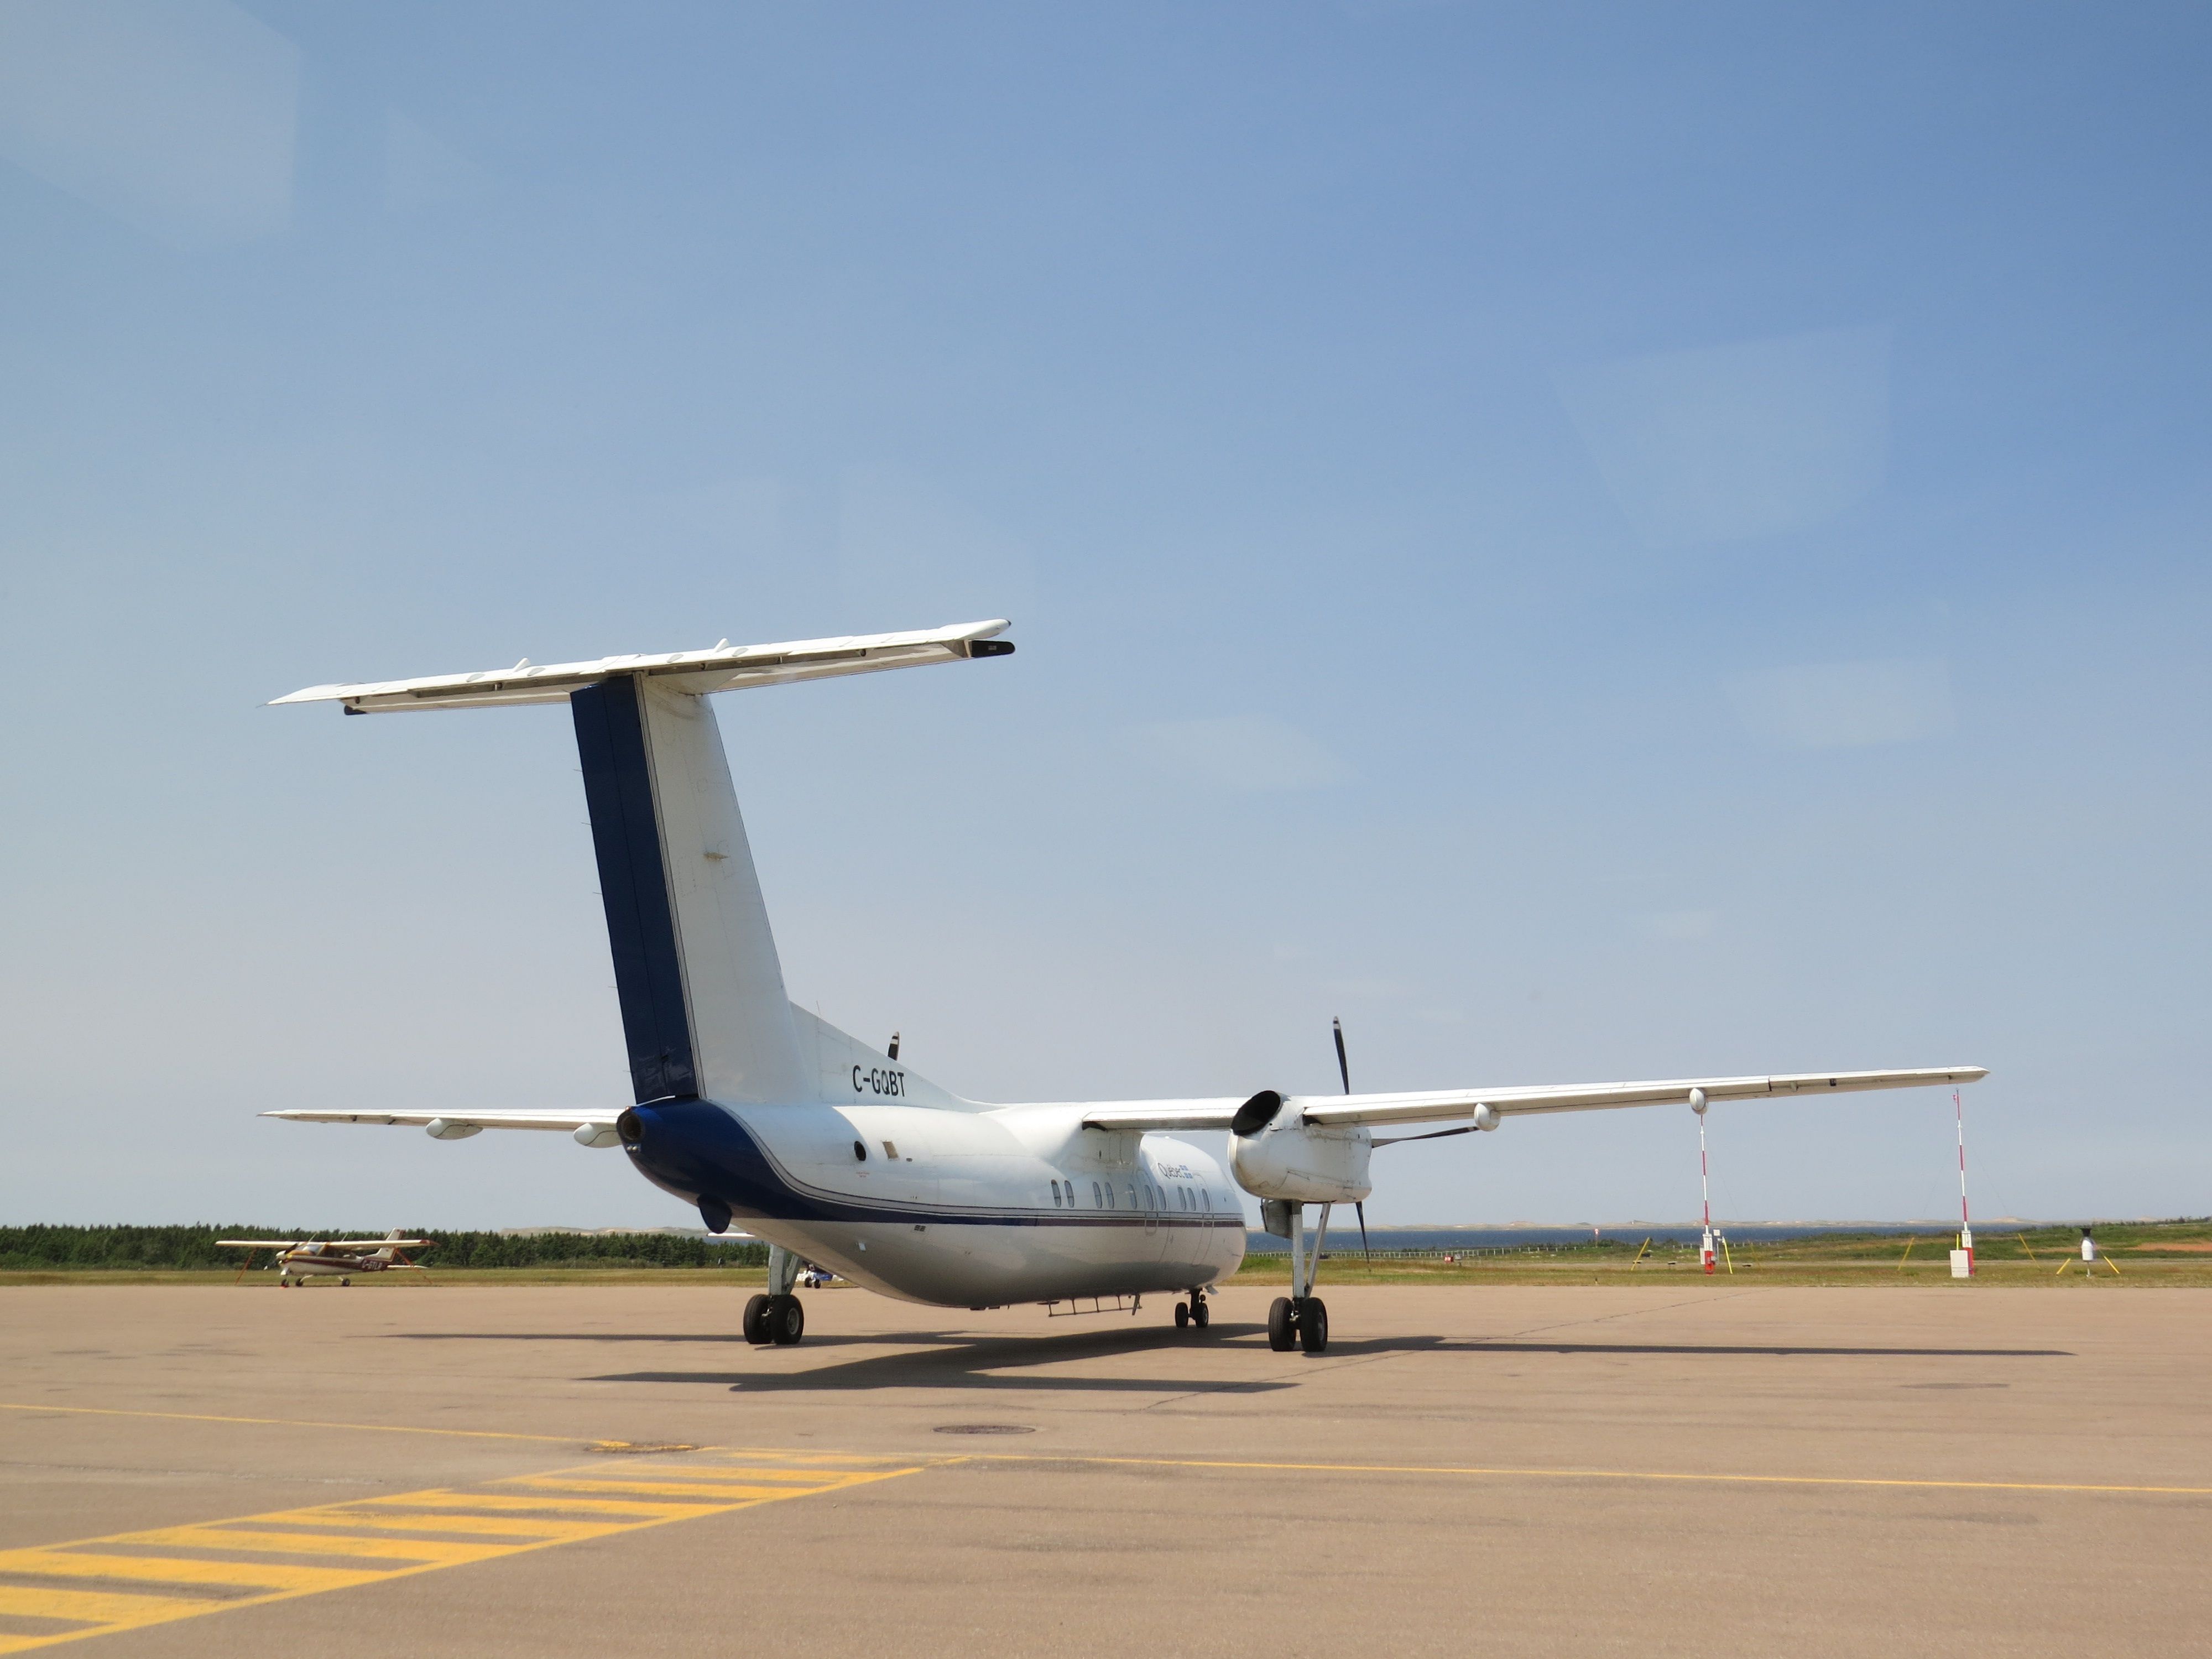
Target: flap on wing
1444 1106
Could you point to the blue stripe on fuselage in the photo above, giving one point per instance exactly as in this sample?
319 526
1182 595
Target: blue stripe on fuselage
610 721
695 1149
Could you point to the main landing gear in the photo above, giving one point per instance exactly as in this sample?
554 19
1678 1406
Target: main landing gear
776 1316
1196 1311
1300 1320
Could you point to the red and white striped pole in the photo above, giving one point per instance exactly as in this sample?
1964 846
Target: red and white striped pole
1965 1226
1704 1179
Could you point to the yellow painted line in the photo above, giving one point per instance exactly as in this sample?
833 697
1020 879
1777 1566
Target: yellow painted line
102 1606
740 1494
245 1541
324 1530
54 1562
483 1526
611 1507
293 1423
1509 1473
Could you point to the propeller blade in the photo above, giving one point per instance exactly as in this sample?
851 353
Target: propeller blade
1343 1069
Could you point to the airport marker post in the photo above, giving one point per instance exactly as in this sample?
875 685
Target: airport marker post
1962 1259
1704 1180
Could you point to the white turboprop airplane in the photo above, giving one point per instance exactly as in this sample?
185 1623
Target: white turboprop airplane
330 1258
838 1153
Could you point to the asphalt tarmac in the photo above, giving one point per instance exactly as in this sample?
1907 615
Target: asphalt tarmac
404 1469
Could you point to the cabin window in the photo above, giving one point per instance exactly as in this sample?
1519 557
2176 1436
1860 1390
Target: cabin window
1182 1196
1206 1199
859 1152
1055 1194
1110 1195
1096 1202
1133 1196
890 1151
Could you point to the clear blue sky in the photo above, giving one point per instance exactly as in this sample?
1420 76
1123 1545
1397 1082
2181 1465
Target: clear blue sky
1588 541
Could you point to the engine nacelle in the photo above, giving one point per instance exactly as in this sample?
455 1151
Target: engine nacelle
1274 1155
438 1129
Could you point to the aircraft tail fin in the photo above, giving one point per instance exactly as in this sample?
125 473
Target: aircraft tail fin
704 1011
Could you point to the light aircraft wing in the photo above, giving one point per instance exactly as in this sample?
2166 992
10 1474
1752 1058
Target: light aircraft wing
601 1117
724 667
260 1243
1511 1100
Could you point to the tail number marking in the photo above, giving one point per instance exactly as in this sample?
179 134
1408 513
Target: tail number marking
877 1081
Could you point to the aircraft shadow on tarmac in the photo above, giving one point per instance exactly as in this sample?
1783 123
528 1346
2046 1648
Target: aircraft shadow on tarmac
1718 1350
946 1361
932 1362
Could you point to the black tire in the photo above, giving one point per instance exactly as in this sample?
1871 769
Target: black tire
755 1321
1201 1316
1313 1326
1182 1315
788 1320
1282 1325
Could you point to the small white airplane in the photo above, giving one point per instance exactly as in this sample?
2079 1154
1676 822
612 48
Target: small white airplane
836 1152
331 1258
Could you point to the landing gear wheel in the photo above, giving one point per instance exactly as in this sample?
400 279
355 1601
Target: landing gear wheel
756 1321
787 1321
1282 1325
1200 1315
1313 1326
1182 1315
345 1284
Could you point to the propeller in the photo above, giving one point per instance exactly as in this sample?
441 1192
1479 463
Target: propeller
1344 1071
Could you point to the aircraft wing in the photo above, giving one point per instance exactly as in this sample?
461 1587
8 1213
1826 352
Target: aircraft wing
598 1117
1161 1115
379 1243
1512 1100
260 1243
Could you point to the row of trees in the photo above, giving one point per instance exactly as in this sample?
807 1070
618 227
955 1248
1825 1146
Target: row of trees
49 1247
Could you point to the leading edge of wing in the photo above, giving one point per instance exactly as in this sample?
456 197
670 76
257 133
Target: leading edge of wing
1443 1105
1601 1096
1167 1115
597 1116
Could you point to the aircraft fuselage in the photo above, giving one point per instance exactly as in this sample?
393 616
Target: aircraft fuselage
957 1209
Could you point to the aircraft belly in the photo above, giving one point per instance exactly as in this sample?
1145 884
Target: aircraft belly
996 1265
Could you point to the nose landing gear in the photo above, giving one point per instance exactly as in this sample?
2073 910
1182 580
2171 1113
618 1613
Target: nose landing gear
1196 1311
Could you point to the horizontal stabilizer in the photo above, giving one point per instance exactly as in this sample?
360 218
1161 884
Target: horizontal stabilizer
726 667
592 1126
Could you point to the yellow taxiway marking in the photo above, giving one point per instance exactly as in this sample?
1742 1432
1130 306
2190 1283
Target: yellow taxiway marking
133 1579
1593 1474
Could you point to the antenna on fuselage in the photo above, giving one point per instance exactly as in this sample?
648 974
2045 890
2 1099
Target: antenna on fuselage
894 1049
1344 1071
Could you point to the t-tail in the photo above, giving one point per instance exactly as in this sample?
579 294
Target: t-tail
705 1014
